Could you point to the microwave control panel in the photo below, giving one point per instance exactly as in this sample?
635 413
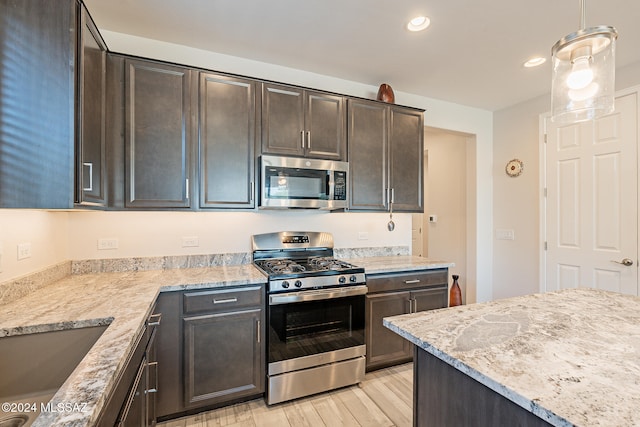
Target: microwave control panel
340 187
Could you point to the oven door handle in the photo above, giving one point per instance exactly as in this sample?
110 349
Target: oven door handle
315 295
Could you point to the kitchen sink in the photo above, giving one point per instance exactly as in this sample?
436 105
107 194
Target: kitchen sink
34 366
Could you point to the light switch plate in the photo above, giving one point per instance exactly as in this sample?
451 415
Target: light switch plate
505 234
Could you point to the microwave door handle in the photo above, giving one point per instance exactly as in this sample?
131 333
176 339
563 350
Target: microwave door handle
332 184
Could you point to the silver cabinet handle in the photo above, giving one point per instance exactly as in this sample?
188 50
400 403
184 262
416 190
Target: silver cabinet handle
155 366
252 191
309 139
225 300
625 261
152 319
411 282
90 166
393 195
258 330
187 187
302 138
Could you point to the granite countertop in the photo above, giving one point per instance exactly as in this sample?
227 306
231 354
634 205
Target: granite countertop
121 300
571 357
390 264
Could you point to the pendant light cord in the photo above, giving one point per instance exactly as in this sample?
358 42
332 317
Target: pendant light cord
583 14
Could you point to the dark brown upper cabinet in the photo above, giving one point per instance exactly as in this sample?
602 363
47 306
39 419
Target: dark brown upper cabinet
385 156
91 175
227 141
51 105
299 122
158 135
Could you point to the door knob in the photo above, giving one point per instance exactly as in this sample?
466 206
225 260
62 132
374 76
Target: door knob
625 261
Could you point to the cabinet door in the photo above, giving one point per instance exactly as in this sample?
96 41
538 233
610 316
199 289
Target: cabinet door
157 135
133 413
406 154
169 355
282 120
430 299
90 170
227 141
37 90
385 347
367 134
223 357
324 126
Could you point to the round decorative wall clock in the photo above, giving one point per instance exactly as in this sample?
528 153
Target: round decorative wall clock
514 167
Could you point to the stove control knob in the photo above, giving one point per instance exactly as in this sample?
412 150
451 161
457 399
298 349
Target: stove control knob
342 279
285 284
353 279
298 284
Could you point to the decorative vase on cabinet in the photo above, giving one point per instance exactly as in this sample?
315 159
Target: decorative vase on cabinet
455 294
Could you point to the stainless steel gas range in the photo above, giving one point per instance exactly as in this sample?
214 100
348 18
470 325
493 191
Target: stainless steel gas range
315 311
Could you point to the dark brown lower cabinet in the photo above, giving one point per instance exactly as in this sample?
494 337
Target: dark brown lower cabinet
391 294
133 401
222 357
445 397
211 348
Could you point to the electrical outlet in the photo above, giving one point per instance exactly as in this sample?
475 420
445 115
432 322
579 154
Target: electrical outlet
190 242
107 244
433 218
363 235
24 250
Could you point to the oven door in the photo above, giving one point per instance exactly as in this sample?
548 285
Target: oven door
313 327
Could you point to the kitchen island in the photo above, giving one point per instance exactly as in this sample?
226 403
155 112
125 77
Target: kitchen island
562 358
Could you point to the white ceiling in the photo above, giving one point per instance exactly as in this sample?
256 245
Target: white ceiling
472 53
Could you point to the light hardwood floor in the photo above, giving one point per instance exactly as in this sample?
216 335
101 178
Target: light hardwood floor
383 399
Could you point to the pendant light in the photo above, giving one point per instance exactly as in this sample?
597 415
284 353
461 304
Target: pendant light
583 79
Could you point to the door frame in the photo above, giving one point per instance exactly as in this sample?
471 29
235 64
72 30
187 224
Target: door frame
542 131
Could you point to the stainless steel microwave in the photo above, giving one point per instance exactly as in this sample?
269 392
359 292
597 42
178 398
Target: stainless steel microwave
294 182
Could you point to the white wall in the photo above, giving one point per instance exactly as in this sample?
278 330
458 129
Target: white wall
146 229
161 233
446 197
516 202
47 233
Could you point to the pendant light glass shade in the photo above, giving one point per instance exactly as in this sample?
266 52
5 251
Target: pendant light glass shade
583 79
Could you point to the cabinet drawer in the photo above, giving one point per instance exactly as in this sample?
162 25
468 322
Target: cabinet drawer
222 300
407 280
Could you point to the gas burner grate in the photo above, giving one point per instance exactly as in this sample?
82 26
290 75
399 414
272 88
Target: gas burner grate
282 266
328 263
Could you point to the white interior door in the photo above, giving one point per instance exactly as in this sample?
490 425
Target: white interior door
592 210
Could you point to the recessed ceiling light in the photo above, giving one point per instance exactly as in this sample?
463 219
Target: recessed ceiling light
418 23
534 62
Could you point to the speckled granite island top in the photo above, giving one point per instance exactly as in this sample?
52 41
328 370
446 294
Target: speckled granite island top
121 300
570 357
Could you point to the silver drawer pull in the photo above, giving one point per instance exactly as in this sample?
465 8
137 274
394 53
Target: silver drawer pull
410 282
225 301
154 319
